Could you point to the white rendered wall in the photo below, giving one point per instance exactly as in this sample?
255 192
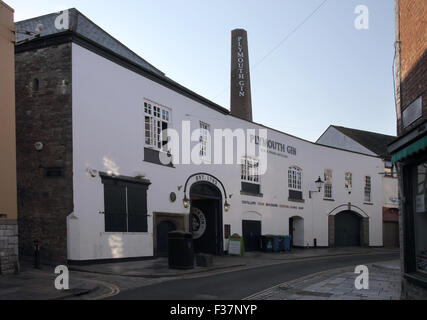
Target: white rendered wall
334 138
108 133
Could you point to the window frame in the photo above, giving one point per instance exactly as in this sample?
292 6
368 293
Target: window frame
293 183
204 140
245 168
411 272
328 184
349 186
367 187
126 183
157 118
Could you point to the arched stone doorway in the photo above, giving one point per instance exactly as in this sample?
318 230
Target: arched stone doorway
163 223
296 231
206 221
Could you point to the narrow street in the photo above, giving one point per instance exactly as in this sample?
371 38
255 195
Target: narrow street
241 284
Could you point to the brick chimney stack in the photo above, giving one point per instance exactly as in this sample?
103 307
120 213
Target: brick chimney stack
241 101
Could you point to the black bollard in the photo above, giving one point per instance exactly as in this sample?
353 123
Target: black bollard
36 254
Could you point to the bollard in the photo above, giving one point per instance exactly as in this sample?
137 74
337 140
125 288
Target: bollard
36 254
315 243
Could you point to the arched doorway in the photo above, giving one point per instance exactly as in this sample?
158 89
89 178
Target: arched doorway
206 218
163 229
347 229
296 231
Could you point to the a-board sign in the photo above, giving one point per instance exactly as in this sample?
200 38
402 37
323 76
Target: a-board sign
235 245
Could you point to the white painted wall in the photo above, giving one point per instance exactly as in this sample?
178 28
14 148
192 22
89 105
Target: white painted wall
108 130
335 138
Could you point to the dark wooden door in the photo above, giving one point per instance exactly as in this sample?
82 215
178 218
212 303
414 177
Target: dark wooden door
347 229
163 230
391 234
252 235
208 235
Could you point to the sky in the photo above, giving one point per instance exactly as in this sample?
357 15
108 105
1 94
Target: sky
304 77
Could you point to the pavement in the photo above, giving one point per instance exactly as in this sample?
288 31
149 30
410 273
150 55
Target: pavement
99 281
339 284
158 268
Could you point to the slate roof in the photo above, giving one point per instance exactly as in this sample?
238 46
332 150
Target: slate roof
375 142
79 24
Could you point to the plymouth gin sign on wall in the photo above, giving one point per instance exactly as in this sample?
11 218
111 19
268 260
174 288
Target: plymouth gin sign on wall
274 147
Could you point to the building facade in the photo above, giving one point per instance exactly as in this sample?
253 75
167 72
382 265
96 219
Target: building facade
409 150
373 144
8 191
95 172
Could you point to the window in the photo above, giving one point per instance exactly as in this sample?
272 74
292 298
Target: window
368 189
157 120
204 138
420 216
250 176
250 170
295 183
125 205
294 178
348 180
328 184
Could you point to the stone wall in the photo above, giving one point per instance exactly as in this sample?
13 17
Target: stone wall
45 184
8 247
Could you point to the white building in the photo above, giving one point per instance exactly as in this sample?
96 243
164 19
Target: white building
373 144
123 201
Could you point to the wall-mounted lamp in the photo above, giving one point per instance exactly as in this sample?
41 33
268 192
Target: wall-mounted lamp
226 206
319 184
186 202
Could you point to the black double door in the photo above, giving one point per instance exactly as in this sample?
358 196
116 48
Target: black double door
347 229
209 240
251 235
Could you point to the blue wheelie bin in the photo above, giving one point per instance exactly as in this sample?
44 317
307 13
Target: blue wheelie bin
281 244
287 243
276 244
267 243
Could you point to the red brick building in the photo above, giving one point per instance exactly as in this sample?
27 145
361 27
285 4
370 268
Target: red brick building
410 150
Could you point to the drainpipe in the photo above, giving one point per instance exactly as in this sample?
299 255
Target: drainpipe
399 166
396 68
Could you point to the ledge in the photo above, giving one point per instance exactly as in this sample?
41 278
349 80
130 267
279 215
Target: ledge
326 199
296 200
258 195
368 203
152 156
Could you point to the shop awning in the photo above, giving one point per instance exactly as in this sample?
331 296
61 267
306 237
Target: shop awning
413 148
